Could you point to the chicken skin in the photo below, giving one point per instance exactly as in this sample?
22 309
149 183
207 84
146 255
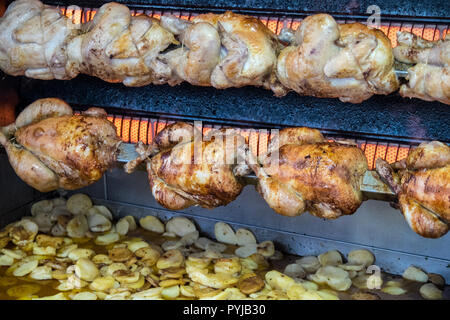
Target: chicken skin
306 173
422 184
33 41
226 50
185 170
351 62
50 148
429 78
121 48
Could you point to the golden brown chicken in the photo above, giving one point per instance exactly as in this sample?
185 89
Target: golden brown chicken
185 170
119 47
422 184
33 41
429 78
223 50
302 172
50 148
351 62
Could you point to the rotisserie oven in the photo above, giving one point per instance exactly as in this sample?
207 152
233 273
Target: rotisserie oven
189 150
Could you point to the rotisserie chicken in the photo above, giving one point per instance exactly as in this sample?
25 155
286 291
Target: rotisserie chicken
422 185
226 50
33 41
429 78
119 47
351 62
50 148
185 170
302 172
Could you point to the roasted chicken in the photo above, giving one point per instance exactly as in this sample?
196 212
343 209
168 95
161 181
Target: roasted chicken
185 169
33 41
422 185
351 62
50 148
302 172
429 78
118 47
226 50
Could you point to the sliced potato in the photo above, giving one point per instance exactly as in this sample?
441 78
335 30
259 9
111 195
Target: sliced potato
41 206
6 260
104 211
120 254
266 248
334 277
246 251
42 273
351 267
122 227
250 283
98 223
79 203
330 258
44 251
279 281
180 226
77 227
224 233
136 245
101 259
415 274
309 263
295 271
85 296
149 254
102 283
361 257
244 237
394 291
25 268
430 292
131 222
107 238
170 292
23 232
79 253
86 270
152 223
171 258
227 265
190 238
